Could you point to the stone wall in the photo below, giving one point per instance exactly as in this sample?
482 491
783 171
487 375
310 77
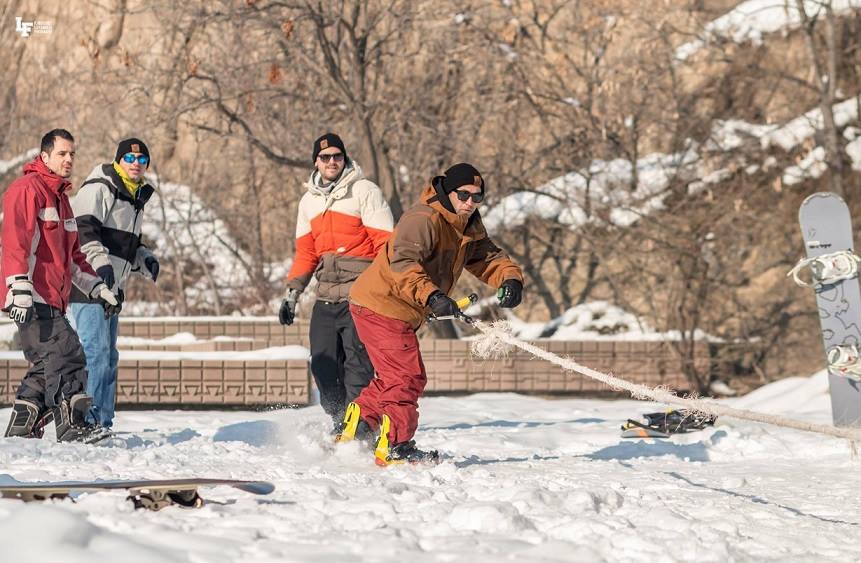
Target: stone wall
451 368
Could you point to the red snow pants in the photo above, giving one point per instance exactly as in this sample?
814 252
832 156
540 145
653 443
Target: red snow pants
394 350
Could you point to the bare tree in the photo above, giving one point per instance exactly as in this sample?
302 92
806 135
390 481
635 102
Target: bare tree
823 48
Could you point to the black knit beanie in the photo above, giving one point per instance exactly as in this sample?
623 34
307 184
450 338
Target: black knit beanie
326 141
461 174
132 144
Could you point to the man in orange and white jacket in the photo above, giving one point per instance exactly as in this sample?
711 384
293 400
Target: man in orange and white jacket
344 220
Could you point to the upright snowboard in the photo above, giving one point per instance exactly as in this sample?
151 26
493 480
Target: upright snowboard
150 494
826 227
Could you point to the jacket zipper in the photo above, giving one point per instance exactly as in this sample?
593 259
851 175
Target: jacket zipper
67 258
128 263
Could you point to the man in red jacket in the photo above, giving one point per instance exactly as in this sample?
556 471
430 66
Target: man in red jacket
41 259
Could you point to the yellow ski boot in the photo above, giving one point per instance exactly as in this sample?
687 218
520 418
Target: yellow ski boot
353 427
387 454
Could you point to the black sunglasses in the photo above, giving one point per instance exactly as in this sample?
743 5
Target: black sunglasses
338 156
464 195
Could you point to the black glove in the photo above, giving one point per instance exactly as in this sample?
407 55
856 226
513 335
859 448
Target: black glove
442 305
287 312
151 264
107 275
111 310
510 293
21 310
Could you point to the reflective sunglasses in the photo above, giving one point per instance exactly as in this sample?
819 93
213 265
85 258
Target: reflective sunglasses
464 195
143 159
338 156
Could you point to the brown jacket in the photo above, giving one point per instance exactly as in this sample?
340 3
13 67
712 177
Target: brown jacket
428 250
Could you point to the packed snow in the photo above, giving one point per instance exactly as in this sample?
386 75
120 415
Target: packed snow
522 479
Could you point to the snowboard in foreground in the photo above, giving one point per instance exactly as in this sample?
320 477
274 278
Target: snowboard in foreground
149 494
826 227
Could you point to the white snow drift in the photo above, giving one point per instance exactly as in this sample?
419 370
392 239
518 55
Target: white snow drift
523 479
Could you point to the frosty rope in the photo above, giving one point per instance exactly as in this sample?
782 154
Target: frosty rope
488 346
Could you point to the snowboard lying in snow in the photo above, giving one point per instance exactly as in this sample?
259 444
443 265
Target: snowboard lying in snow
150 494
663 424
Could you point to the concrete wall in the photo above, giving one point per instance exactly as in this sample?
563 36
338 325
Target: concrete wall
451 368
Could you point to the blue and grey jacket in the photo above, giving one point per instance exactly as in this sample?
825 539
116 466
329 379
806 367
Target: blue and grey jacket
109 226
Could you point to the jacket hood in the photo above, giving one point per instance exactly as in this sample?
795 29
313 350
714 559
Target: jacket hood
431 197
351 174
55 183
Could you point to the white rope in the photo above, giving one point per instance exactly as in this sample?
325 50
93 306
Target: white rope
498 334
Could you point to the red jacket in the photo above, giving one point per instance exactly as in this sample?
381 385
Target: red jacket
40 238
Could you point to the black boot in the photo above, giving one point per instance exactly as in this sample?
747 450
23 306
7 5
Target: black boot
407 452
71 424
25 420
386 454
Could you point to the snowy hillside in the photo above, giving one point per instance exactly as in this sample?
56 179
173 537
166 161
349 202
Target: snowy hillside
184 230
523 479
751 20
595 320
621 192
605 186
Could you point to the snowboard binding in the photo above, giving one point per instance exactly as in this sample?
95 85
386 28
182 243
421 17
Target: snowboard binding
70 421
826 269
156 499
845 360
664 424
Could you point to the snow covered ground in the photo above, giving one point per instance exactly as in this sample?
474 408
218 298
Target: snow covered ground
523 479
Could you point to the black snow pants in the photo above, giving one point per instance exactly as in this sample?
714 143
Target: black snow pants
58 367
339 361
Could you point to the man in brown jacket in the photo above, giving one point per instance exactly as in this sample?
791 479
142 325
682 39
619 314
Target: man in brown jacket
433 242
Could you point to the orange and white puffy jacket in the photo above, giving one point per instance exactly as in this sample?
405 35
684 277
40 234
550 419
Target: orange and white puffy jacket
338 233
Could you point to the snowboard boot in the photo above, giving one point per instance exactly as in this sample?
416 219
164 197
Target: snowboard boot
354 427
845 360
387 454
25 420
71 424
